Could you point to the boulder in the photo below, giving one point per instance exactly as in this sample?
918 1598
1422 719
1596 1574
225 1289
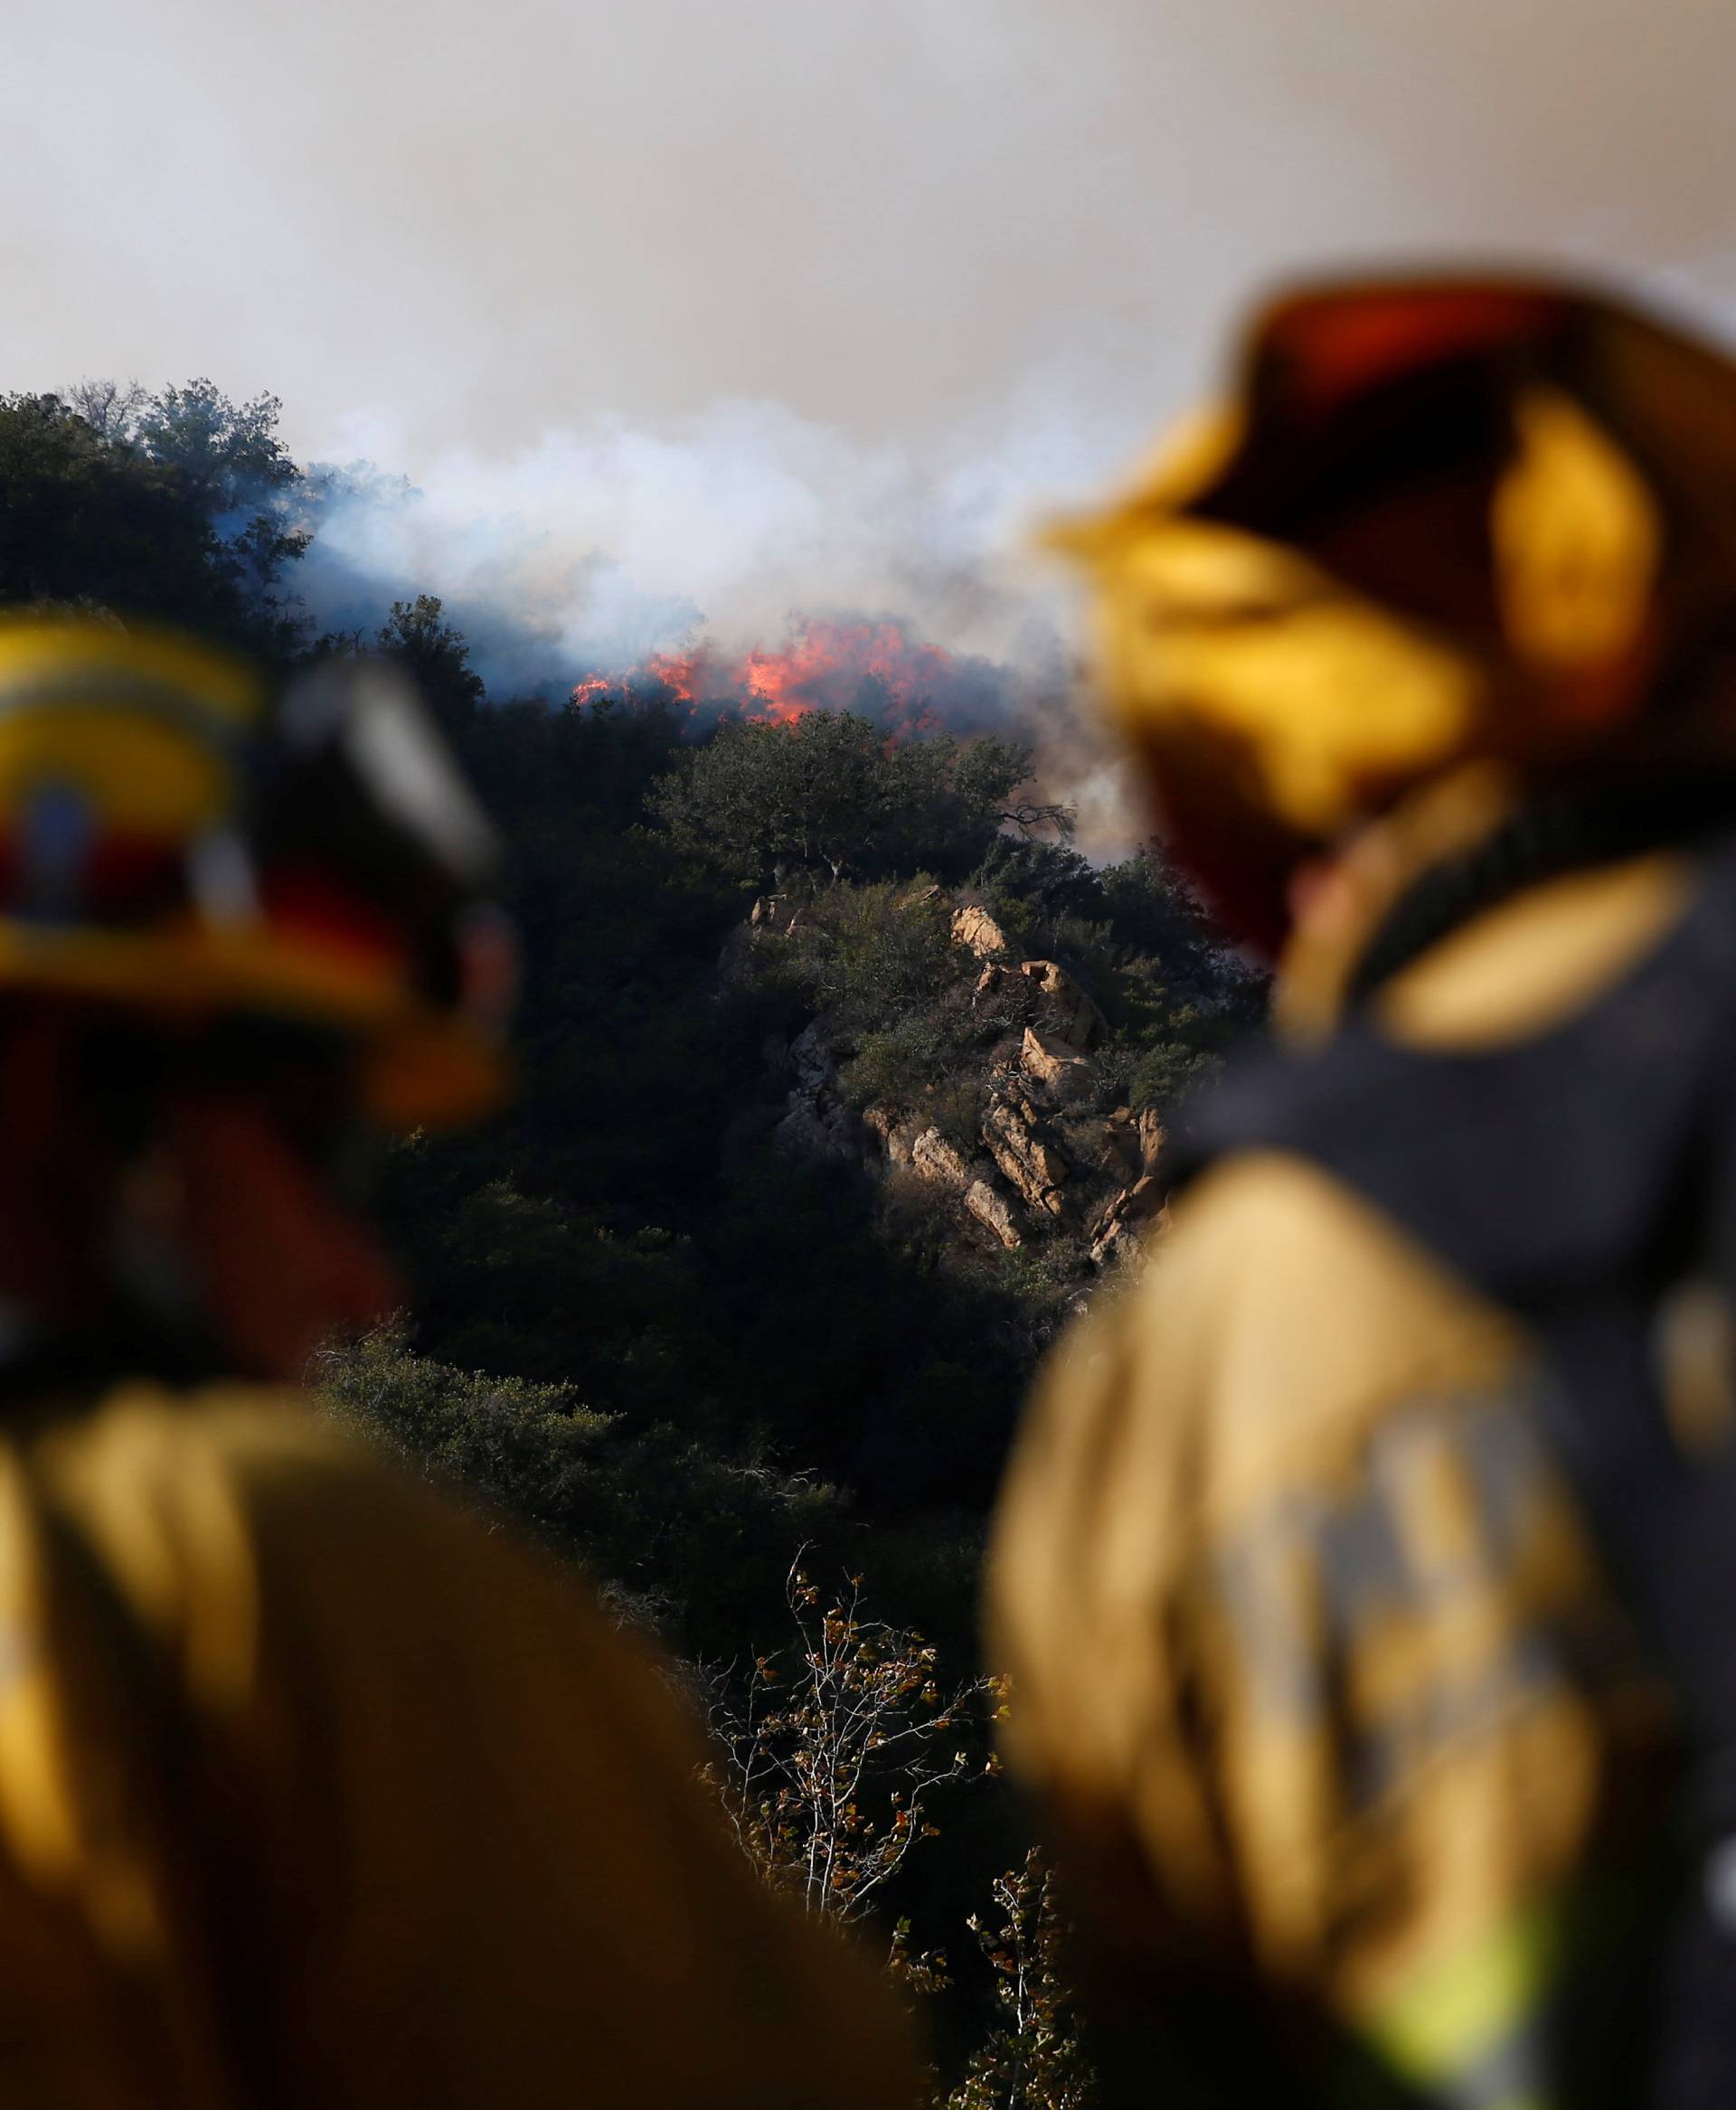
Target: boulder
977 928
816 1134
892 1128
1144 1200
1030 1162
1121 1145
1124 1224
1133 1143
1064 1067
1068 1012
936 1159
1119 1245
880 1119
810 1056
992 1210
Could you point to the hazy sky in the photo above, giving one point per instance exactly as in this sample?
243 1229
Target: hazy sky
437 223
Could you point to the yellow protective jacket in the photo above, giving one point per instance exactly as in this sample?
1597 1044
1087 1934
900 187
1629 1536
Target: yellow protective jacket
1315 1666
314 1791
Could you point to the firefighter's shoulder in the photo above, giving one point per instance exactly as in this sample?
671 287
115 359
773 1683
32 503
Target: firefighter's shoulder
480 1862
1279 1307
1280 1322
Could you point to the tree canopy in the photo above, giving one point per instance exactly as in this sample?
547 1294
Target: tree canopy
417 635
170 506
763 801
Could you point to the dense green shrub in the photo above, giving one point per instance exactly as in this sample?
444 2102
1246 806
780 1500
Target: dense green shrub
691 1540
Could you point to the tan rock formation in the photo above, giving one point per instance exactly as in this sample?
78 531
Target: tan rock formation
880 1119
1122 1143
1129 1219
894 1130
1068 1012
977 928
1133 1143
992 1210
936 1159
818 1131
1064 1067
1030 1162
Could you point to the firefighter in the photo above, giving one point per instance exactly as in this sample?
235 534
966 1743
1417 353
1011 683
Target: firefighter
1367 1572
313 1790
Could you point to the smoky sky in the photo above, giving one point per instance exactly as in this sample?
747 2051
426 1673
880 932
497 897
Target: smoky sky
441 225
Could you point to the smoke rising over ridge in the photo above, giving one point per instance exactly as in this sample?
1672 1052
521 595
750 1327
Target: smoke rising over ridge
746 555
878 213
603 543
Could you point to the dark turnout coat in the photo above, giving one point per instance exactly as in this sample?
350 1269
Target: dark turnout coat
1367 1573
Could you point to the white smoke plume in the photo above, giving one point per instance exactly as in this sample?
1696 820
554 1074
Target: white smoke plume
603 545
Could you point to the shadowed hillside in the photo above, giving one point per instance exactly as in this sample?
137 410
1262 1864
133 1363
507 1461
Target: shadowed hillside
843 1083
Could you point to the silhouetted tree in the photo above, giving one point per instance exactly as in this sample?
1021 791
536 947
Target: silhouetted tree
830 793
227 456
417 635
86 521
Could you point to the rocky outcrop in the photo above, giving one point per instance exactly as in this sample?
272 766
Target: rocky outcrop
977 928
992 1211
939 1160
1066 1070
1050 1164
894 1130
1030 1160
1133 1143
775 914
934 1158
1067 1013
810 1056
1121 1229
817 1127
816 1134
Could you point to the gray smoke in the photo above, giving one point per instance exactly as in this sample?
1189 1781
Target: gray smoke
735 530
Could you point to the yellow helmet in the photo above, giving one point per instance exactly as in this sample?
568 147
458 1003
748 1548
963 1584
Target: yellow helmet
182 839
1435 519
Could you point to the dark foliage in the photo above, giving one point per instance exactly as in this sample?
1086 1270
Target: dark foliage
766 802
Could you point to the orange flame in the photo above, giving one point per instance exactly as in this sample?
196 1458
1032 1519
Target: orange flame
823 664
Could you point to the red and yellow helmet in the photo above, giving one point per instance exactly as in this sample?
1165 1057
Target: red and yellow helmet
180 839
1435 519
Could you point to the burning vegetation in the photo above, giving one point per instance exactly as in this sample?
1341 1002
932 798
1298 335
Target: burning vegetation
876 668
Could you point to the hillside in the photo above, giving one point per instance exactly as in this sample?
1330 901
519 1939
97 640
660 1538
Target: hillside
1035 1157
842 1082
752 1124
